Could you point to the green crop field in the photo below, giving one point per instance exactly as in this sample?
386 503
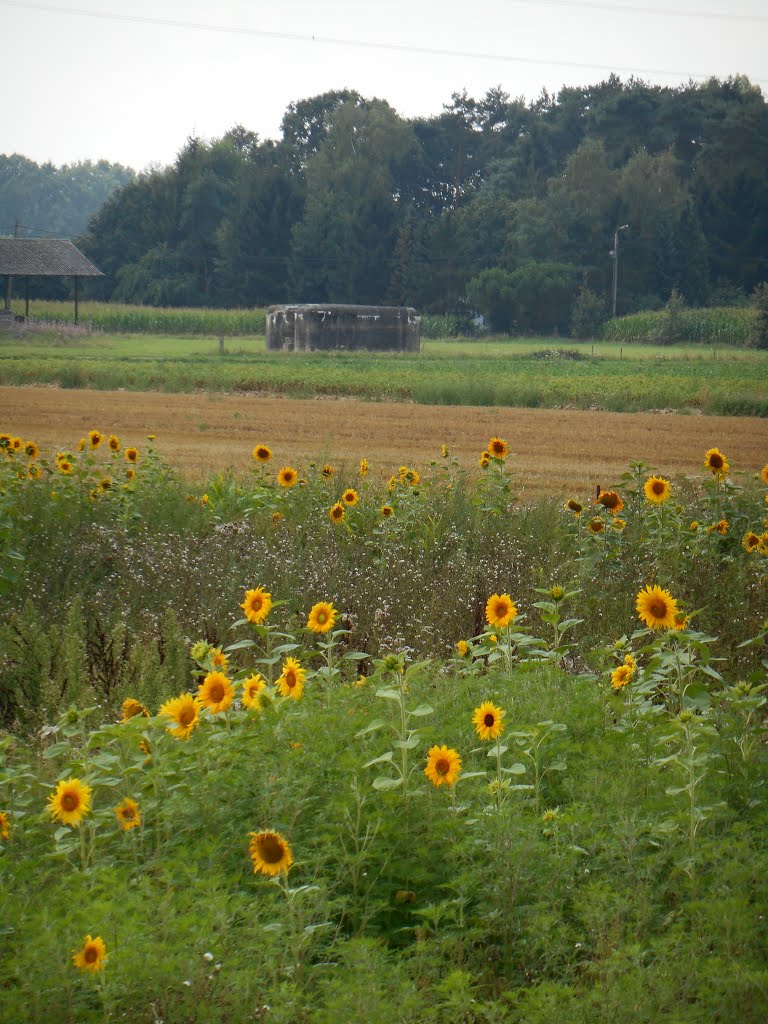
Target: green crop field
505 372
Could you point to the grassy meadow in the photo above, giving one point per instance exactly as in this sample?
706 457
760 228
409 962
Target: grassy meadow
309 745
499 372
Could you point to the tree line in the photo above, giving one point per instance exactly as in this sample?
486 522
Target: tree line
495 205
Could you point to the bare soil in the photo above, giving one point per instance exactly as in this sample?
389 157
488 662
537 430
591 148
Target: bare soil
558 452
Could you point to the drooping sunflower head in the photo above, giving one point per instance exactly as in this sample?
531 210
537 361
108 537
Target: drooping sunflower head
269 852
327 471
291 682
574 506
363 467
764 474
287 477
322 617
128 814
31 450
262 453
132 455
610 500
252 689
716 463
498 448
184 712
484 461
91 956
218 658
350 497
500 610
95 438
721 527
105 484
33 471
412 478
336 512
656 607
16 444
216 692
5 826
444 451
596 525
131 708
656 489
487 720
257 605
114 443
70 801
386 511
443 766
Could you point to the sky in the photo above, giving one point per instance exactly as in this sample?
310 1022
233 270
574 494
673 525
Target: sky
130 81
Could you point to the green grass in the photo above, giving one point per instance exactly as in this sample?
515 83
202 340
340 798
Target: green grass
504 372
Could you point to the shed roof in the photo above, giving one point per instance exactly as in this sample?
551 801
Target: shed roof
44 257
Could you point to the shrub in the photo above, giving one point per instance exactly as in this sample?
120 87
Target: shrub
760 325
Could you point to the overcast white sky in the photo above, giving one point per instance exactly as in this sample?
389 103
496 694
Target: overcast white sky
91 79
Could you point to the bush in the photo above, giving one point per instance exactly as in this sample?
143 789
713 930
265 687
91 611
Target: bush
760 325
588 314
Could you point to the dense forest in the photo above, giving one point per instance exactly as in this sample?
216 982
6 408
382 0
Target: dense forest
494 205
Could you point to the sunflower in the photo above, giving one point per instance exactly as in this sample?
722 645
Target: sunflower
444 451
127 813
497 446
269 852
287 477
629 659
95 438
257 605
322 617
721 527
81 444
621 676
484 461
114 443
218 658
131 708
64 466
596 525
350 497
276 518
656 489
750 541
336 512
574 506
70 801
31 450
291 682
130 474
262 453
327 471
16 444
363 467
92 956
105 484
462 648
716 462
681 620
618 524
656 607
5 440
216 692
443 766
764 474
34 472
131 454
5 826
500 610
487 721
252 687
610 500
184 711
204 500
762 547
412 478
386 511
694 526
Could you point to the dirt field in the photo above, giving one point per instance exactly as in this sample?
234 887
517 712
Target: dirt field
553 452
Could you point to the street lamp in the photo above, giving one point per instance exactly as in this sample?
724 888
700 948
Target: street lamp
614 253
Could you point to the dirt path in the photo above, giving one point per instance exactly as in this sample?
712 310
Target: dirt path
554 452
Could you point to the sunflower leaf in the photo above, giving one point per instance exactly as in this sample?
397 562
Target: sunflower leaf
354 656
422 710
61 832
240 645
55 750
515 769
380 760
377 723
409 744
388 694
383 783
494 751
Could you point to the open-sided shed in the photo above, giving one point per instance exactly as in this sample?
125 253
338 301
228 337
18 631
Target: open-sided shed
42 257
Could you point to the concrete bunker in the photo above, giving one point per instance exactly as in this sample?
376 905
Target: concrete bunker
326 327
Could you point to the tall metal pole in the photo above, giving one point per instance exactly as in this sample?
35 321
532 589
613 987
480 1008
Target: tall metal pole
615 255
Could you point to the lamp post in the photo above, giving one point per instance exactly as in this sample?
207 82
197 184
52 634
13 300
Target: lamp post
615 254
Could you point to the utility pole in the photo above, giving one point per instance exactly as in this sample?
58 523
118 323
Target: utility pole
614 253
9 285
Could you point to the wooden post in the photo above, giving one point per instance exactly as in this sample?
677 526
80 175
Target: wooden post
221 345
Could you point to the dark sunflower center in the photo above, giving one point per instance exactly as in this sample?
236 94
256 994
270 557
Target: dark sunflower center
716 461
187 716
70 802
658 609
290 679
216 693
658 487
442 766
91 954
322 618
489 720
270 849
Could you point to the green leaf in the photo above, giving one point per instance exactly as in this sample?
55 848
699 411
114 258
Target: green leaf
409 744
389 694
55 750
354 656
59 834
383 784
377 723
422 710
380 759
240 645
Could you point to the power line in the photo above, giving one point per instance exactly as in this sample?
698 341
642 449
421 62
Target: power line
355 43
665 12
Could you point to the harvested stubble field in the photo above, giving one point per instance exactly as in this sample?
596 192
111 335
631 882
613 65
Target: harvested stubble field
555 452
